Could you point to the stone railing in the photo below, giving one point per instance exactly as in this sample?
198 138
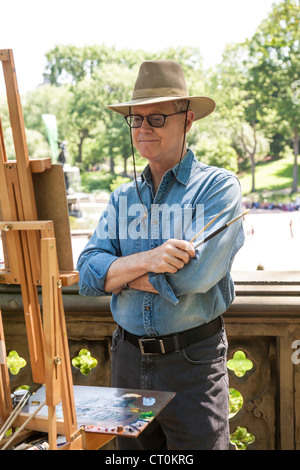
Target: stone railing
263 322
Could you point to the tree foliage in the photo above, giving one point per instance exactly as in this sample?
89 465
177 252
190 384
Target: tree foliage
274 53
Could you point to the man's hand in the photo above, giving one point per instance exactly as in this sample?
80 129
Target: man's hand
170 256
142 283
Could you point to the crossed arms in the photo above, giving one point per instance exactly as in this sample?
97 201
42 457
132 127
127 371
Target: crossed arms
133 269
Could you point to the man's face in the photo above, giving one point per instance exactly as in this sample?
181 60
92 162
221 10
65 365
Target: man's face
160 144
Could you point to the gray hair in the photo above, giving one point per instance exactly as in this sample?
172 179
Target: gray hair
180 105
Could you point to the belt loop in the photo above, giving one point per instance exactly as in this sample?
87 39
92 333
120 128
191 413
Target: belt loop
176 343
122 334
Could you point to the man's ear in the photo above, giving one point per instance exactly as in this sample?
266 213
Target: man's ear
189 120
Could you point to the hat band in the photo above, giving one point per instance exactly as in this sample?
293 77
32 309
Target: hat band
159 92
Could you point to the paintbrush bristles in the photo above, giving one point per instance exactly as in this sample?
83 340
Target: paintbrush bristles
209 224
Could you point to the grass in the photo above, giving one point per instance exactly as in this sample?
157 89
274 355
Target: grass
272 176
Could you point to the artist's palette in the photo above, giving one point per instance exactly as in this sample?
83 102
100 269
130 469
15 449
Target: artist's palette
110 410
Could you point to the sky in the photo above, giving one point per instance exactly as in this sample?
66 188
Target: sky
33 27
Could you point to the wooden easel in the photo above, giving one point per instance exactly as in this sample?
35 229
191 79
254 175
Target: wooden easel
31 260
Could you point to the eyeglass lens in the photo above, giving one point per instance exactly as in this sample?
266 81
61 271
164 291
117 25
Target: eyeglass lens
155 120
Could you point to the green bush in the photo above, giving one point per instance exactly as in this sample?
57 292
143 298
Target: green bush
239 364
84 361
95 181
241 438
118 181
15 362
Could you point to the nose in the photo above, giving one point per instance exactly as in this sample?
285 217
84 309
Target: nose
145 124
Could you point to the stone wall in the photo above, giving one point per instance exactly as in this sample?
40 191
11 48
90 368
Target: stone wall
263 322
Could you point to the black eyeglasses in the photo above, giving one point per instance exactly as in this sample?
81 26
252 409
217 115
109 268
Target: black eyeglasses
155 120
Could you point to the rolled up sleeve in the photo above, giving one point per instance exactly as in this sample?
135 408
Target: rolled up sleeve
98 255
93 267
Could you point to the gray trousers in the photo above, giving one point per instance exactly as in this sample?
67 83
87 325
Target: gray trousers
197 417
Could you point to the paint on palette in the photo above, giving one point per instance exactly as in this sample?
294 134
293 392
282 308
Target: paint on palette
148 401
131 395
110 410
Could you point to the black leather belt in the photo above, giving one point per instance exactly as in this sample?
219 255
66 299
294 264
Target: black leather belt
163 344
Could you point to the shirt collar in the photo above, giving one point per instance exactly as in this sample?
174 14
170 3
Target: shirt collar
184 171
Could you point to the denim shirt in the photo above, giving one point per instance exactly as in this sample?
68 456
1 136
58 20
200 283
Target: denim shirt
193 193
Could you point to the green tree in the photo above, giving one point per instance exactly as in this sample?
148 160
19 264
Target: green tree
115 82
85 111
217 151
239 106
70 64
47 99
98 76
275 65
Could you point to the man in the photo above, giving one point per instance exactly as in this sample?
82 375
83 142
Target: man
168 295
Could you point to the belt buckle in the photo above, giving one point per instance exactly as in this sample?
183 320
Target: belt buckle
147 340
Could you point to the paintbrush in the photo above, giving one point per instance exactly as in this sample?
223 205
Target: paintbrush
15 434
216 232
7 425
209 224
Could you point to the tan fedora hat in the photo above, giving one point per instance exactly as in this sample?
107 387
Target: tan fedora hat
160 81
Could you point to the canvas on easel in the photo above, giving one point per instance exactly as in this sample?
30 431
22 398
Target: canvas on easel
51 204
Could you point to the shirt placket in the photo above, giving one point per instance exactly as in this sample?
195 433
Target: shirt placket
154 241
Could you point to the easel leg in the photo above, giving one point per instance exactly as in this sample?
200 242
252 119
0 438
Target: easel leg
52 431
58 375
5 398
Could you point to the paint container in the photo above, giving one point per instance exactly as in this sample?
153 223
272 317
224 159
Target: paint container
18 395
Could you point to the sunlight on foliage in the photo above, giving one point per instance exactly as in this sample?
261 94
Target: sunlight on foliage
239 364
15 362
84 361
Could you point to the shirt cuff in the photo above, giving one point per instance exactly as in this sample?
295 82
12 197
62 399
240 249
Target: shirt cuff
92 276
159 282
